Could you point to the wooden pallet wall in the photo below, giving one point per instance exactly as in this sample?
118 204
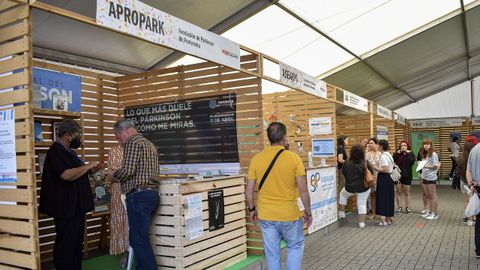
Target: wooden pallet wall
284 106
18 209
99 112
402 133
201 81
355 127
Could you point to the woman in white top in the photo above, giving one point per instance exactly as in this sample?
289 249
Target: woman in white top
385 189
373 157
429 177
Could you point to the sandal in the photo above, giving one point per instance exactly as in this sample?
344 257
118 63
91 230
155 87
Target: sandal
124 261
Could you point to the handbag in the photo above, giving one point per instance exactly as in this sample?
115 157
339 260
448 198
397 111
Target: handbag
396 173
269 169
369 179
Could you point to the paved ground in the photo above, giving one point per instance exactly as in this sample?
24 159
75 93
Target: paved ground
411 243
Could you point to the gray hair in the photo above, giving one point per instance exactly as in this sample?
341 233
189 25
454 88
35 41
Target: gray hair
69 126
123 124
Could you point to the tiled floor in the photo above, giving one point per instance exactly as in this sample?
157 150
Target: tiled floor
411 243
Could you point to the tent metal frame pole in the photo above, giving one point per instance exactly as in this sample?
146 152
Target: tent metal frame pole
467 52
364 61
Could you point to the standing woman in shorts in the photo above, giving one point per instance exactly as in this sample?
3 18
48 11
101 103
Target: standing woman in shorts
404 158
429 178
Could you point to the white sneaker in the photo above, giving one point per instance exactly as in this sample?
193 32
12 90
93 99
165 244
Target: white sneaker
432 216
424 211
361 225
341 214
470 223
426 214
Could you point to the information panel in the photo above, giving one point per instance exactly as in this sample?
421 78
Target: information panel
192 136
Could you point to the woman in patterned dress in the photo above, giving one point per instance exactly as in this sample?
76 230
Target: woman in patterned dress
118 219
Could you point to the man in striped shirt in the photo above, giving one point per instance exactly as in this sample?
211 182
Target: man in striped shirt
139 176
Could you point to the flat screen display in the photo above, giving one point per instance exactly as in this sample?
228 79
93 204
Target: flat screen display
323 147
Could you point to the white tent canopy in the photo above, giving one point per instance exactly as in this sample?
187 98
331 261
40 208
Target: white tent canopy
454 102
394 52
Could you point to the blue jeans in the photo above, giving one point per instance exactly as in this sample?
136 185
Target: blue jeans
140 208
292 233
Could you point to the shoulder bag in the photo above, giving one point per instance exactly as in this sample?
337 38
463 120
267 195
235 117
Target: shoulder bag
369 180
269 169
396 173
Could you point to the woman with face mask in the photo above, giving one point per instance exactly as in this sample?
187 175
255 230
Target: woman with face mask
430 177
66 194
404 158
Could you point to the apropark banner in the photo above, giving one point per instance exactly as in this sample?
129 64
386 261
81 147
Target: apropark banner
141 20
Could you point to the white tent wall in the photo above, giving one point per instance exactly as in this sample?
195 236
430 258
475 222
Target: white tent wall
453 102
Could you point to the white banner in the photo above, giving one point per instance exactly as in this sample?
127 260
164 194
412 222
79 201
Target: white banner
8 154
320 126
141 20
476 120
384 112
433 123
355 101
322 187
302 81
382 132
400 119
193 216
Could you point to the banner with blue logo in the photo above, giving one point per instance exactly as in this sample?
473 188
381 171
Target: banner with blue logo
192 136
51 89
8 154
322 187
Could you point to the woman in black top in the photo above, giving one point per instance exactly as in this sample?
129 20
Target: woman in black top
342 142
404 158
66 195
354 172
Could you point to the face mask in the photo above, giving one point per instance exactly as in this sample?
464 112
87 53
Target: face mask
75 143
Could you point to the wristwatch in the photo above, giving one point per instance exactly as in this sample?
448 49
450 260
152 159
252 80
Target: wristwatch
252 209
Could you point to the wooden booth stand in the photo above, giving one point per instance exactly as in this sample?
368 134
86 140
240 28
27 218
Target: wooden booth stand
227 245
213 249
441 131
26 237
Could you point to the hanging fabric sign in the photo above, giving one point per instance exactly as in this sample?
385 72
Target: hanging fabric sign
302 81
384 112
146 22
400 119
449 122
355 101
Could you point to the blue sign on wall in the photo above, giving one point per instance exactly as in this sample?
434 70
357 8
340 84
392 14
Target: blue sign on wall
47 84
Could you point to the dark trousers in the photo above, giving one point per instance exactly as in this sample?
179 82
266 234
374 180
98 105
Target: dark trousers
140 208
454 165
67 251
477 235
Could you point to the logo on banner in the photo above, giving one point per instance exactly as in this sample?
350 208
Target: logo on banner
314 178
212 104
